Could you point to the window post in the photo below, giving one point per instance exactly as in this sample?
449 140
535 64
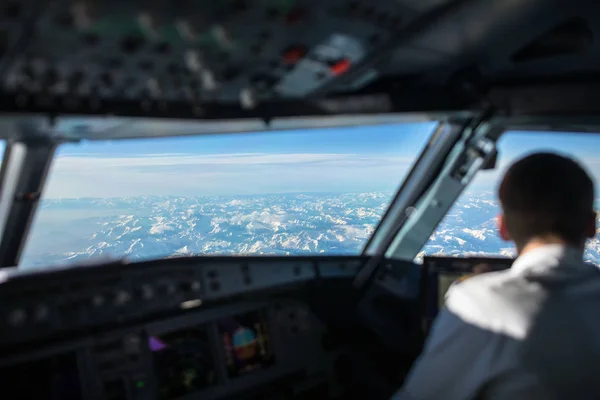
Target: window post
25 167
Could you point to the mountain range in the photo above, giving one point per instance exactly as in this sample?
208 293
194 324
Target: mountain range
469 229
69 231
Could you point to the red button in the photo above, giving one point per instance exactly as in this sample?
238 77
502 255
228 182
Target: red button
340 67
294 54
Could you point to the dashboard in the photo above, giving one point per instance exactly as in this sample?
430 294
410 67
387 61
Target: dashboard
210 354
210 328
178 328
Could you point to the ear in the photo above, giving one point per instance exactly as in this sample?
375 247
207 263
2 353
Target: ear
502 231
590 231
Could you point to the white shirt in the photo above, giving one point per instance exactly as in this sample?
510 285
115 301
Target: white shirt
529 332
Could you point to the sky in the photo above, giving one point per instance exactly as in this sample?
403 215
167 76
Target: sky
514 145
348 159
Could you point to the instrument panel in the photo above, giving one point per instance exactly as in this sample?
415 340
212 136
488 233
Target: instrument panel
58 301
204 354
170 329
211 327
153 57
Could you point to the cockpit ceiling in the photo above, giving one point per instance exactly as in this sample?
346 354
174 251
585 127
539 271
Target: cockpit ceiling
197 59
505 41
204 51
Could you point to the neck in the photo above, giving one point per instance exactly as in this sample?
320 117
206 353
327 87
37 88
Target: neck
544 241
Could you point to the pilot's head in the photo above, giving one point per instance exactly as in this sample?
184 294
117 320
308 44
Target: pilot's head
547 198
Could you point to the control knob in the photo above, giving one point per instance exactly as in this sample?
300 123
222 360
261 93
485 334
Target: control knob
121 297
17 317
147 292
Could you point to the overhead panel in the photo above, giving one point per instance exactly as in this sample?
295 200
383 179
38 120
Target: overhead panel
162 54
266 59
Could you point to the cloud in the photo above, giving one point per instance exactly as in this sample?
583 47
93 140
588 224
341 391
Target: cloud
223 174
176 173
69 162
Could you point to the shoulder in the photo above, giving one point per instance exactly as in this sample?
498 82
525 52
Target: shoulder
501 302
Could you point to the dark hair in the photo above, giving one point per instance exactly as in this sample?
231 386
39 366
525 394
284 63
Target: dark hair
547 194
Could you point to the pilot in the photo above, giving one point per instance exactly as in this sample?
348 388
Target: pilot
532 331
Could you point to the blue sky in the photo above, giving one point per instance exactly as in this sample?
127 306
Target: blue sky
583 147
349 159
391 139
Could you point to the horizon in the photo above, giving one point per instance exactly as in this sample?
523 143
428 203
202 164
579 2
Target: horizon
357 159
227 196
336 160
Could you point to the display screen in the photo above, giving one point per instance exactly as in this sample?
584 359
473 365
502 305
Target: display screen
445 280
52 378
246 342
448 278
443 272
183 362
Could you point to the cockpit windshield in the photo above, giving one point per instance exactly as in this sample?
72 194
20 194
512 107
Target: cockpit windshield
319 191
469 228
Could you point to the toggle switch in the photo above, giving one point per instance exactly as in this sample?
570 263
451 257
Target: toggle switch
340 67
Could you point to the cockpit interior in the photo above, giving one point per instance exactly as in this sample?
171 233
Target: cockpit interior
264 199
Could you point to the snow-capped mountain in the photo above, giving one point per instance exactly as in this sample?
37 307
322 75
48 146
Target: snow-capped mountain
76 230
469 228
71 230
